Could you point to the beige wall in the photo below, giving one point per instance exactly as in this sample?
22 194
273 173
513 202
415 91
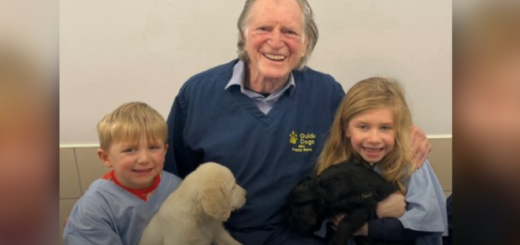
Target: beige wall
441 160
148 50
79 167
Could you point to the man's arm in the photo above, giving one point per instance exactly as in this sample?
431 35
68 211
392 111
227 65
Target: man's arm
180 159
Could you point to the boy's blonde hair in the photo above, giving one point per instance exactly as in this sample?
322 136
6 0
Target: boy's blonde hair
129 122
369 94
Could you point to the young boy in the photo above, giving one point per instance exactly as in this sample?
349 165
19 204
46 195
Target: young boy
116 208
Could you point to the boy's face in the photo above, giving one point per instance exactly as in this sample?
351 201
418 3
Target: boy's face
135 164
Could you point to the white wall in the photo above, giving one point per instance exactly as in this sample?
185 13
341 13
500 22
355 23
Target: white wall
116 51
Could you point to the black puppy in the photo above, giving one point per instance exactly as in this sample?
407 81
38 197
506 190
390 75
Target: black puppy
349 187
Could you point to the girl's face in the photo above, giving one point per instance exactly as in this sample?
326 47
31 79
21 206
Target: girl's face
372 134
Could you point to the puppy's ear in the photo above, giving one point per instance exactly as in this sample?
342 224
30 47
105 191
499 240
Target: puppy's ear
333 189
305 180
215 203
308 182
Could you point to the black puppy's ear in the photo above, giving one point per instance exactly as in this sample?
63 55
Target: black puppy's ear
333 189
306 183
306 179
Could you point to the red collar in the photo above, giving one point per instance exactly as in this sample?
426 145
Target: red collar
143 194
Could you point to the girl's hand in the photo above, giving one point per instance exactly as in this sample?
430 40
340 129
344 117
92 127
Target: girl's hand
393 206
362 231
336 219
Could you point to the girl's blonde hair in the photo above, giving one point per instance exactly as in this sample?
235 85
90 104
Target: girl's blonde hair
369 94
129 122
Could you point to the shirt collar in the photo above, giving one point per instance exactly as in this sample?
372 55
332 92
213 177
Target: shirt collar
239 73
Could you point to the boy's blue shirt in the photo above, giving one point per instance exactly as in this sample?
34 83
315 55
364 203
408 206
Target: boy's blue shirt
108 214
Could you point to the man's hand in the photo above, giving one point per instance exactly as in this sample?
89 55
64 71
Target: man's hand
420 146
393 206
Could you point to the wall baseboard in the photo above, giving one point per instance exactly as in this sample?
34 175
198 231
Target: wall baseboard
433 136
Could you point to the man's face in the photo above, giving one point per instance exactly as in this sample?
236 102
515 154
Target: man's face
274 38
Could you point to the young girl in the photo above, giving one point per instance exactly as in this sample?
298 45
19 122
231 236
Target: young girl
372 125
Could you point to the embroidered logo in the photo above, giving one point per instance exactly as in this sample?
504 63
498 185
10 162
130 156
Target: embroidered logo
293 138
303 142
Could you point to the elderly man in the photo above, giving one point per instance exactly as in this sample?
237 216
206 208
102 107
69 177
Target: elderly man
265 116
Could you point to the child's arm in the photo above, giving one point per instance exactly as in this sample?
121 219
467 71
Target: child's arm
392 206
389 229
88 224
91 221
425 214
93 237
426 202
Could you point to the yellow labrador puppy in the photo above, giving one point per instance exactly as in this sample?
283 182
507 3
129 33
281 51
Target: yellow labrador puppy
193 214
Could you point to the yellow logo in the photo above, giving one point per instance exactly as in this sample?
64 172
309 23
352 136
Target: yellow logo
294 138
303 142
